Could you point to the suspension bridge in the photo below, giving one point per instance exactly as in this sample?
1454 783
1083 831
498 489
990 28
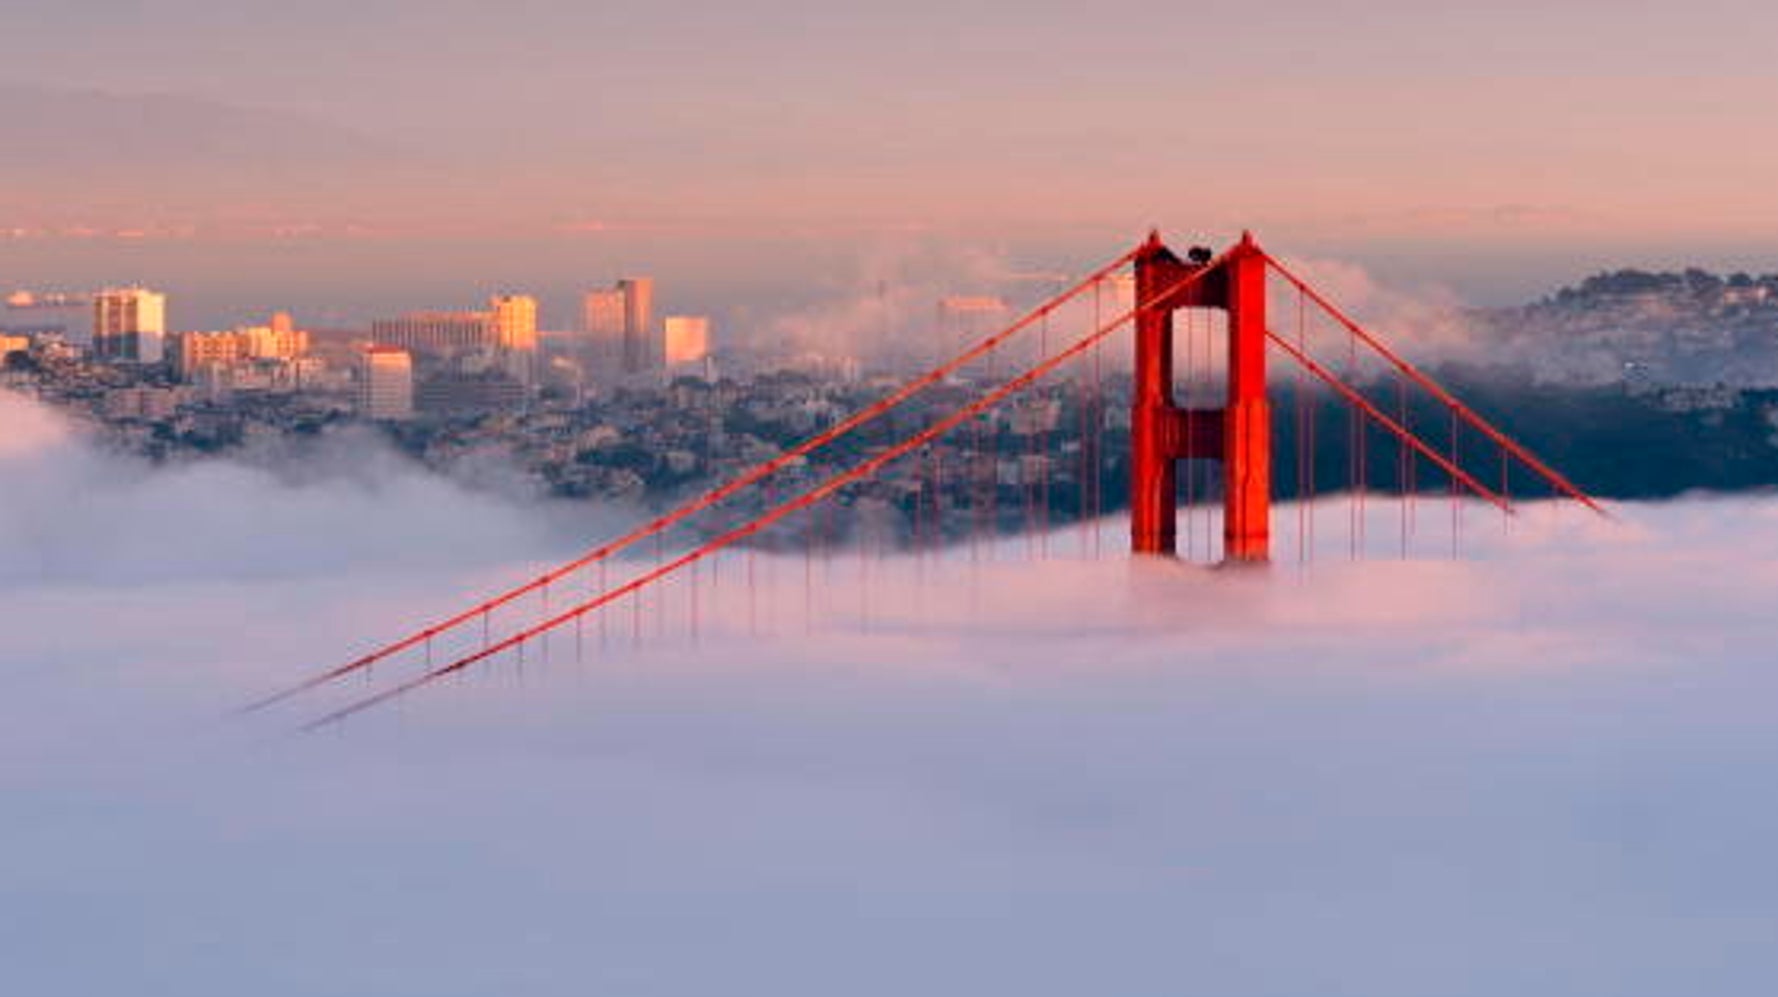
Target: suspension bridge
1207 423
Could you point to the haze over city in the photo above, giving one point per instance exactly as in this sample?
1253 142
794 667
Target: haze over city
777 498
294 149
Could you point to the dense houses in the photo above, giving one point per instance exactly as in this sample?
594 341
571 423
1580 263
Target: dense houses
650 439
427 365
1657 331
626 408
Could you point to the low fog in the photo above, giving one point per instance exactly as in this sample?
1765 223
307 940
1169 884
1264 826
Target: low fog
1539 769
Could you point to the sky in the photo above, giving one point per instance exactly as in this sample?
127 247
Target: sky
1536 769
1500 148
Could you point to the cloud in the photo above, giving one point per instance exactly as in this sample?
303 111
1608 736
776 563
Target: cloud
1536 768
888 308
28 430
72 513
1427 325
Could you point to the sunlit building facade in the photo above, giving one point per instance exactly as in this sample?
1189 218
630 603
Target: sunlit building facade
129 325
686 338
620 323
190 352
386 383
279 339
515 321
515 330
437 333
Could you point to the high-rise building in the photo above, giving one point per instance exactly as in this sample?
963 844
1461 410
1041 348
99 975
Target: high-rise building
641 348
515 321
385 383
620 322
129 324
436 333
190 352
459 393
602 319
687 339
279 339
603 313
515 330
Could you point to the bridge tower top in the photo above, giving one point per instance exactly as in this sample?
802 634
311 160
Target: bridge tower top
1238 434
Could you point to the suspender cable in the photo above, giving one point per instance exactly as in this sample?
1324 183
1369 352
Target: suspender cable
1353 427
838 481
1314 404
545 600
1456 506
1380 418
1302 452
712 497
1082 513
1450 401
1403 461
1098 419
993 471
1506 483
1043 436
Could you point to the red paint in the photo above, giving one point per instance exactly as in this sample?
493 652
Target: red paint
1239 434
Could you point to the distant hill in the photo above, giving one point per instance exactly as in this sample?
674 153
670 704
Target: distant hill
1686 328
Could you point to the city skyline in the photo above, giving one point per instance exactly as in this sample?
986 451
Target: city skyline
776 498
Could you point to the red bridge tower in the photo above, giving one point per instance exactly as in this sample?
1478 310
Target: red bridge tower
1239 434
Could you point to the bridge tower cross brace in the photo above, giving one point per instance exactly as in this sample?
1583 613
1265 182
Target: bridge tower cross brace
1239 434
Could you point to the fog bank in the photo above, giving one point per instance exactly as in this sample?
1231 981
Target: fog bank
1535 770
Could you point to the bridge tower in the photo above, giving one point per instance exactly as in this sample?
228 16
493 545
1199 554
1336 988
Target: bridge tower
1239 434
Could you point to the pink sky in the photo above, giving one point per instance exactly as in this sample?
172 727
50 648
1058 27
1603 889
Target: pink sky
1468 132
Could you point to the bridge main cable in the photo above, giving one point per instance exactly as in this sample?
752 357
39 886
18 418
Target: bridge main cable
816 494
1449 400
748 478
1364 405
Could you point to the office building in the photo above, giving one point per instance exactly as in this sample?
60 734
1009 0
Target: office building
454 393
436 333
686 338
620 323
278 340
515 321
386 383
129 325
603 314
190 352
515 330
